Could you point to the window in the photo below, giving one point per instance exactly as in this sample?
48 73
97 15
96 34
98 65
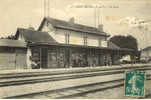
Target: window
85 40
104 43
67 37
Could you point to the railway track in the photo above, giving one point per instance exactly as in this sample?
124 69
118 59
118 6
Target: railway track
33 80
57 77
119 84
46 73
77 91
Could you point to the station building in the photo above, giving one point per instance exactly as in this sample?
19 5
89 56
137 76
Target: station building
64 44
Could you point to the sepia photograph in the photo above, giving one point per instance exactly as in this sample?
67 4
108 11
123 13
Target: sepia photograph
75 49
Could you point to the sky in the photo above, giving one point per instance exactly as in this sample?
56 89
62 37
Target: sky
119 17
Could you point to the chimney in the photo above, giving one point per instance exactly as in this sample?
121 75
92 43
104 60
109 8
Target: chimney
71 20
100 27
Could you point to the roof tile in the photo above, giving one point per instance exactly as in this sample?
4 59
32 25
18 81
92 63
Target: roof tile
75 27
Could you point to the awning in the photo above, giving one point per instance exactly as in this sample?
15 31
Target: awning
81 46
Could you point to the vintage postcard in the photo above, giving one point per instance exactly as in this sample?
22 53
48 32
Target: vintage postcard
75 49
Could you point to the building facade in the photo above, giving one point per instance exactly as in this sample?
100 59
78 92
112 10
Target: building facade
146 54
59 44
62 44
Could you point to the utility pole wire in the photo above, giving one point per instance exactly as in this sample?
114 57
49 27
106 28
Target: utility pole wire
44 8
95 17
48 8
98 15
101 14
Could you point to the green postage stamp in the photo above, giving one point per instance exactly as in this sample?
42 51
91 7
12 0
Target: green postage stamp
134 83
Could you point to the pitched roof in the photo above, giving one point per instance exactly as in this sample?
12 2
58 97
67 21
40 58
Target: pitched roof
35 36
72 26
12 43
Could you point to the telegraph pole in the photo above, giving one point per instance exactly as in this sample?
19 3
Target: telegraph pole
46 8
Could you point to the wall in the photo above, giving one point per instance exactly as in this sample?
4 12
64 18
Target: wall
12 58
7 60
75 37
78 37
21 59
93 40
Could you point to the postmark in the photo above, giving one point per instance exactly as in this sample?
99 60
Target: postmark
135 83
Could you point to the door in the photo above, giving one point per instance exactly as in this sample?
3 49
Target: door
67 57
44 58
52 59
61 58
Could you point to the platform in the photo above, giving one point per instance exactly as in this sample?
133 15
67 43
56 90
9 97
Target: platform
73 68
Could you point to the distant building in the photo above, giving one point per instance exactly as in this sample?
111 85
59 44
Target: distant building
146 54
60 44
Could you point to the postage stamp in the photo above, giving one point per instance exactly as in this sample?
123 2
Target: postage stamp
134 83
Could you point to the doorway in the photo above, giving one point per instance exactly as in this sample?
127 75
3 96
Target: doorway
44 56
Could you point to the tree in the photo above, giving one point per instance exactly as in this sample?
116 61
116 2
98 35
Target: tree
126 42
12 37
